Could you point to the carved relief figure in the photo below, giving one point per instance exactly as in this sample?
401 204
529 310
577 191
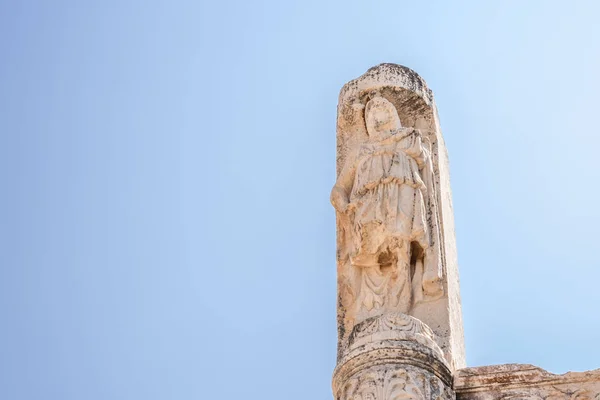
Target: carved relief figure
384 195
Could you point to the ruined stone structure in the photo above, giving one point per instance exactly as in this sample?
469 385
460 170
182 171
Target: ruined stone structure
399 315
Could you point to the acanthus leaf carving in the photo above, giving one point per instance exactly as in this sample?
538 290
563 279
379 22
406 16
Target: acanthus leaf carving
391 382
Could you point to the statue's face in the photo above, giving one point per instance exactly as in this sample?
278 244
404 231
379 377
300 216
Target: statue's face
381 118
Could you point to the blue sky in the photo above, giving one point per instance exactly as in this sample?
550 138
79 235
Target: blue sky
166 229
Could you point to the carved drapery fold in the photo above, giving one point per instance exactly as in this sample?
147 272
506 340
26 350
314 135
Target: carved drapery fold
394 220
399 322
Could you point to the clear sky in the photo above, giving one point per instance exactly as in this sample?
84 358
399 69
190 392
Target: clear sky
166 231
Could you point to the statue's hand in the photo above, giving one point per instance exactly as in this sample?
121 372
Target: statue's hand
350 208
339 199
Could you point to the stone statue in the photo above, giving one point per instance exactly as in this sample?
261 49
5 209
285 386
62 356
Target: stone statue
399 318
383 196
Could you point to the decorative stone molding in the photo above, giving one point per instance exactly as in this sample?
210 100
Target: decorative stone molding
389 382
525 382
393 326
400 354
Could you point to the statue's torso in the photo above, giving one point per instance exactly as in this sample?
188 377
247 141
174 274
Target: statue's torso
380 164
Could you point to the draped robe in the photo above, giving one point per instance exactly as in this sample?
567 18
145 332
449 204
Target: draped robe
389 201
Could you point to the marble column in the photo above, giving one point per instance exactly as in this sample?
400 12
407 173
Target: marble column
399 316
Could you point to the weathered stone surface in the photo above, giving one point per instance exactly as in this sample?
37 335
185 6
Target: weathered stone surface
523 381
399 317
393 382
396 248
392 357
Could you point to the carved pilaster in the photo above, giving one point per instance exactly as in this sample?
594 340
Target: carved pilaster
399 318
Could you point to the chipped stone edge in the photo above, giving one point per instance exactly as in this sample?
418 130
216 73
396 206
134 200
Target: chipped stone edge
514 376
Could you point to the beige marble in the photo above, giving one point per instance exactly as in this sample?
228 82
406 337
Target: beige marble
525 382
396 248
399 316
395 383
388 353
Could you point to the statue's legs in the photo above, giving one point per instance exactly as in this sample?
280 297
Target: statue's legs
400 292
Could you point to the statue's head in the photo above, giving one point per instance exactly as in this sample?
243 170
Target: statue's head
381 117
